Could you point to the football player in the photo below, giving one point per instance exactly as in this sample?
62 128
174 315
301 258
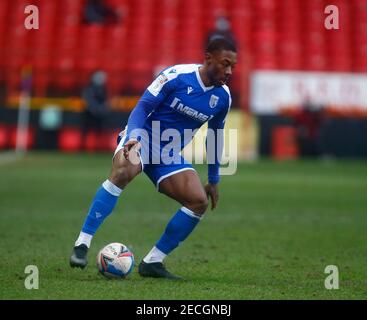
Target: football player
183 97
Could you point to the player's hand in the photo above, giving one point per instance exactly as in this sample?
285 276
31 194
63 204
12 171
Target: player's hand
212 193
132 145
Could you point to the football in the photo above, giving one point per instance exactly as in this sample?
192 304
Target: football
115 260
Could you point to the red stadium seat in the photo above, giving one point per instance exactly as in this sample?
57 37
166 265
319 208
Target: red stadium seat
3 25
117 82
139 83
64 61
290 54
286 34
315 62
90 47
64 80
40 83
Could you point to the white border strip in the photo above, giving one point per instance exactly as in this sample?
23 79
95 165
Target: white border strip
190 213
7 157
171 174
111 188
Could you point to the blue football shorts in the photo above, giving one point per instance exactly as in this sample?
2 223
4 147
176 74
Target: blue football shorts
155 172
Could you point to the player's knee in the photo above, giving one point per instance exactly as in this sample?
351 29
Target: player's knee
121 176
199 205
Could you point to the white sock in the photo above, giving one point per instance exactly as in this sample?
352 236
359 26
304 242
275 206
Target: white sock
155 255
111 188
84 238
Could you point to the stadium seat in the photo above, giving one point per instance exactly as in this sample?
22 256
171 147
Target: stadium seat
117 82
12 80
315 62
40 83
290 54
286 35
3 28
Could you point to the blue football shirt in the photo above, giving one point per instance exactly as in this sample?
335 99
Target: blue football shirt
178 100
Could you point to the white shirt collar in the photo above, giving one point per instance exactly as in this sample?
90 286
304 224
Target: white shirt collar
201 81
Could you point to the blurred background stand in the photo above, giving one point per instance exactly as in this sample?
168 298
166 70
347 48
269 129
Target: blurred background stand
96 108
50 122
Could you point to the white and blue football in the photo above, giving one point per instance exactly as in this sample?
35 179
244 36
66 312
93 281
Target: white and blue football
115 260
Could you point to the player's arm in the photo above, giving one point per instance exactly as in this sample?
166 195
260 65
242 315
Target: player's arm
214 149
150 100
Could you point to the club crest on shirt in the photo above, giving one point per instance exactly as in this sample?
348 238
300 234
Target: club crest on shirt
213 101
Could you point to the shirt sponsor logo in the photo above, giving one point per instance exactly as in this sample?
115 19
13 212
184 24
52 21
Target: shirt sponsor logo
188 111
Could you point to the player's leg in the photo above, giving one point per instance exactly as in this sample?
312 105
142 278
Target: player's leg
186 188
122 172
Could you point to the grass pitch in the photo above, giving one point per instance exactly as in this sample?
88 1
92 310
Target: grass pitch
276 228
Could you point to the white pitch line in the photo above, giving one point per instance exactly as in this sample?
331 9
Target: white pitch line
9 157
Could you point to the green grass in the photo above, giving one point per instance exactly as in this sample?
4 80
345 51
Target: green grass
277 226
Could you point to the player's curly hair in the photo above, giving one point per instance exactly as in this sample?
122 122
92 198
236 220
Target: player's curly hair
220 43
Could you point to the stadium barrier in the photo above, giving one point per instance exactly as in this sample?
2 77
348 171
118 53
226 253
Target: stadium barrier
284 143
